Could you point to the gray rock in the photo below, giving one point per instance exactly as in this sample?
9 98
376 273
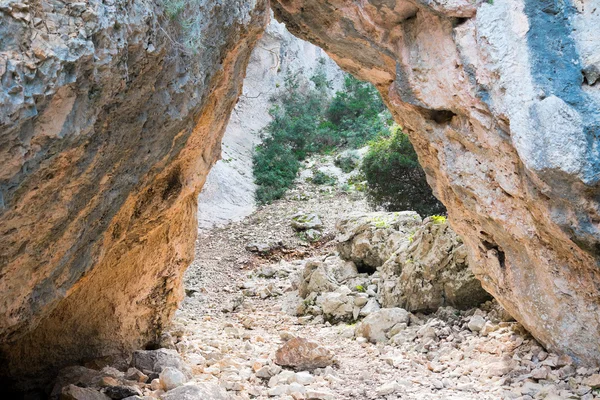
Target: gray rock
430 272
371 306
375 326
476 323
370 239
313 235
73 392
302 221
336 306
157 360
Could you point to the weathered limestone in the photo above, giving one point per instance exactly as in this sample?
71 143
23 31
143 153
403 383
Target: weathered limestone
429 272
110 118
501 102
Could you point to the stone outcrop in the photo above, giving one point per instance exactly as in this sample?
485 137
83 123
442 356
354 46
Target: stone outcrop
430 270
370 239
390 260
500 100
228 194
111 114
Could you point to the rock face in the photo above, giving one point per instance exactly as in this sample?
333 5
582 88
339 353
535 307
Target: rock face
228 194
110 118
430 271
417 265
500 100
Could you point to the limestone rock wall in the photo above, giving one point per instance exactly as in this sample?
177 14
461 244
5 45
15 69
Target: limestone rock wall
228 194
110 118
501 101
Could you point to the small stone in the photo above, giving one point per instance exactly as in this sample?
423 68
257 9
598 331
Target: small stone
122 391
134 374
304 378
196 392
73 392
386 389
476 323
277 390
593 381
155 384
376 325
539 373
170 378
302 221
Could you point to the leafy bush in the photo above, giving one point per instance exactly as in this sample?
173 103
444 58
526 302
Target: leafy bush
321 178
306 121
395 180
357 113
347 160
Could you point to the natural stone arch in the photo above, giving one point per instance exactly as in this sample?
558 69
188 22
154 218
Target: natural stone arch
105 146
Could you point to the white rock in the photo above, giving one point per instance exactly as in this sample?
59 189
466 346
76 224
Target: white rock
377 324
387 389
304 378
476 323
170 378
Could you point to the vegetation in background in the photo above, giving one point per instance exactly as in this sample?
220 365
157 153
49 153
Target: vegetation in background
395 180
306 121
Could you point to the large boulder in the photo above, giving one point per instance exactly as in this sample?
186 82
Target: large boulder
431 272
111 115
369 239
500 100
378 325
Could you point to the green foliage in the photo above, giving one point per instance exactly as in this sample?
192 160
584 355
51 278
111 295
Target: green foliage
306 121
321 178
395 180
347 161
355 113
360 288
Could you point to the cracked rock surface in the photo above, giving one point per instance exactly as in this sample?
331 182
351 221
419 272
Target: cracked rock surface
500 100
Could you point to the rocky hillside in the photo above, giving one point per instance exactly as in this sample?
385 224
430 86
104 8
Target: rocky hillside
501 100
228 194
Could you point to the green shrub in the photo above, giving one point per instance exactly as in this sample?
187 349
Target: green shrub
306 121
395 180
321 178
347 161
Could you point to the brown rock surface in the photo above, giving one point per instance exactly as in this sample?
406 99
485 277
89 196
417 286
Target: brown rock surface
500 103
110 118
301 354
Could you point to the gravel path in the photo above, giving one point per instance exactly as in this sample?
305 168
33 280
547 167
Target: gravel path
229 337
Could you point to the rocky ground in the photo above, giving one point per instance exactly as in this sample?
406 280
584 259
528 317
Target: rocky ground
252 326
